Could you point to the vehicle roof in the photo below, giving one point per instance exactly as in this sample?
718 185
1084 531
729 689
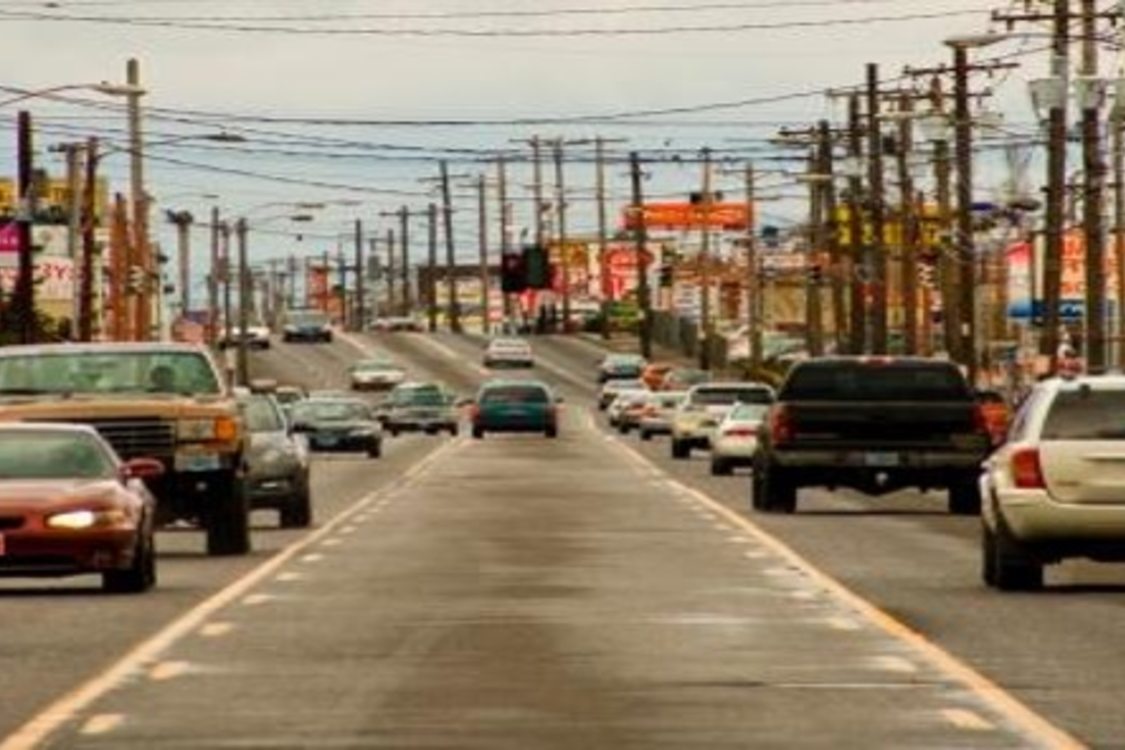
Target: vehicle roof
839 359
48 427
108 347
415 385
508 382
1111 381
727 385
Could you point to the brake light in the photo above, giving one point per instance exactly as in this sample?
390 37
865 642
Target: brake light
474 413
781 425
1027 471
740 432
980 419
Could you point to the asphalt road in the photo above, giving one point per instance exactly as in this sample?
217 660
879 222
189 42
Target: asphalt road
519 592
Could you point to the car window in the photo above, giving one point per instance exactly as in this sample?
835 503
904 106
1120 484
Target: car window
884 381
750 412
1086 414
107 371
426 396
261 415
330 411
515 394
731 395
310 318
53 455
380 363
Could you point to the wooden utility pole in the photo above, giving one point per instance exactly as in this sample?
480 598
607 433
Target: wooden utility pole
482 208
1094 204
831 235
814 320
754 302
391 271
142 251
228 328
450 253
965 255
564 250
644 297
908 225
119 259
878 251
404 239
24 297
360 315
213 278
431 269
705 268
947 261
537 188
505 216
607 288
89 243
245 292
858 272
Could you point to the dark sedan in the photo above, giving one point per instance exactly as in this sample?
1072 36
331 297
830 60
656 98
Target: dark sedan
69 506
341 425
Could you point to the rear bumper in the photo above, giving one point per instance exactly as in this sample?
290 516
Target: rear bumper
734 450
271 492
347 444
539 426
875 472
1033 516
421 425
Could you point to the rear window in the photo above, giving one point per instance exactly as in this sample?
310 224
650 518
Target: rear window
515 394
1086 414
423 396
727 396
846 381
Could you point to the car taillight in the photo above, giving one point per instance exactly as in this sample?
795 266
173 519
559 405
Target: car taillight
1027 471
740 432
474 412
980 419
781 425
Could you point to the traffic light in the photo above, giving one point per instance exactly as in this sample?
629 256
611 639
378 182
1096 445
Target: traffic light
513 274
537 267
137 279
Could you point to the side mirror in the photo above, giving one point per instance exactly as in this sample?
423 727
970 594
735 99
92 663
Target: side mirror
142 468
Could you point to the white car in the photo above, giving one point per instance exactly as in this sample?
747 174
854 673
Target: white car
735 440
257 337
379 373
622 401
657 417
611 388
704 406
508 352
1056 488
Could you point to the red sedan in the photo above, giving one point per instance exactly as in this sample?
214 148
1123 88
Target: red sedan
69 506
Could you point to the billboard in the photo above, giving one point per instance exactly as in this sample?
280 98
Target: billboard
52 205
684 215
1025 293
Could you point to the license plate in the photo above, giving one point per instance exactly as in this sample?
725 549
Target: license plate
191 462
880 459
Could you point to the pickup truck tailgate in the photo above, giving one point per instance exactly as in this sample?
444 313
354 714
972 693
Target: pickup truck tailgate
884 425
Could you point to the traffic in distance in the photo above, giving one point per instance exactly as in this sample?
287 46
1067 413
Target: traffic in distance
106 450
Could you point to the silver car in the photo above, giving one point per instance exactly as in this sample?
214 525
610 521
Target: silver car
735 440
277 462
657 416
611 388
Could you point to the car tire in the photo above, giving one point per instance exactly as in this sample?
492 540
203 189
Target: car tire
1015 568
779 495
645 435
964 497
622 428
375 449
757 489
478 433
287 338
680 450
228 519
454 431
138 577
551 432
721 468
987 555
298 513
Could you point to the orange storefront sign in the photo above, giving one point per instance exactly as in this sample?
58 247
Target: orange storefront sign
682 215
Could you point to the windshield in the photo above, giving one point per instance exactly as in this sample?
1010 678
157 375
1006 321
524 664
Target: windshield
432 396
308 318
1086 414
109 372
749 412
626 385
330 411
512 344
883 381
53 455
261 415
733 395
369 365
515 394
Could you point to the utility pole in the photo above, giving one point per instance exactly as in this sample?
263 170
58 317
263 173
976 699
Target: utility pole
831 236
754 302
450 253
360 316
432 266
391 272
482 195
908 224
599 156
244 294
858 272
1119 223
505 222
24 297
947 262
564 250
644 297
89 241
537 188
228 332
1094 171
183 221
814 320
878 252
966 258
705 268
142 251
72 152
213 280
404 238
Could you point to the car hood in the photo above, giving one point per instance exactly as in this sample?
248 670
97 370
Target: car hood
84 407
36 494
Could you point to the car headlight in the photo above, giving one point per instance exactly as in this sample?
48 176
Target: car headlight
85 519
210 428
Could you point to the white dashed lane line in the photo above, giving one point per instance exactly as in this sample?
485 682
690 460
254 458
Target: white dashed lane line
101 724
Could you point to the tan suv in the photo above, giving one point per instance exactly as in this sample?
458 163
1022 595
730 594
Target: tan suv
158 400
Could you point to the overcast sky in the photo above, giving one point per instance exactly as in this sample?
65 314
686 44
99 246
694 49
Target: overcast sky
399 71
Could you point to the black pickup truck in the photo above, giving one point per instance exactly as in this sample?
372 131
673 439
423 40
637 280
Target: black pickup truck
872 424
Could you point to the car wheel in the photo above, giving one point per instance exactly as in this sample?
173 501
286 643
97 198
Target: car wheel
1015 568
721 468
138 577
228 518
478 433
622 428
375 449
393 431
987 554
680 449
454 430
778 494
646 435
298 513
551 432
964 497
757 490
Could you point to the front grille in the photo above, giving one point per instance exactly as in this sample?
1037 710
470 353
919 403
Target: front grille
134 437
7 523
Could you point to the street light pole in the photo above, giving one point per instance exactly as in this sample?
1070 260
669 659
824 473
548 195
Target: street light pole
644 301
450 253
963 144
24 298
243 304
142 314
89 224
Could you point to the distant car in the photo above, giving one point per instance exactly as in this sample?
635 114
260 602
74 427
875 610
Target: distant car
683 378
320 394
515 406
654 374
1056 488
705 406
257 337
620 366
376 374
657 416
396 324
307 325
736 438
421 407
508 352
631 399
69 506
277 463
339 425
630 410
611 388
